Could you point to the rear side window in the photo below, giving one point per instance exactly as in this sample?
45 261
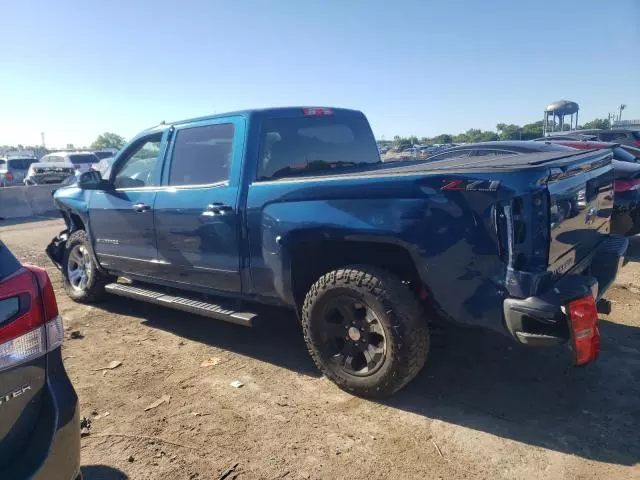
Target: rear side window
202 155
8 263
83 158
290 146
20 163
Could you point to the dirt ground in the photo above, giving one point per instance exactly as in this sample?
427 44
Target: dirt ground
482 408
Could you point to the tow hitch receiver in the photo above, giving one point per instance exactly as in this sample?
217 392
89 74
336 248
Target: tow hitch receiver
585 335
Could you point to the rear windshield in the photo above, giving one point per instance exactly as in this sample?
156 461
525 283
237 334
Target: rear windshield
21 163
636 134
291 146
623 155
8 263
83 158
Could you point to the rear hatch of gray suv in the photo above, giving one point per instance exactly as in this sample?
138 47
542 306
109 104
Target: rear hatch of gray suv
30 328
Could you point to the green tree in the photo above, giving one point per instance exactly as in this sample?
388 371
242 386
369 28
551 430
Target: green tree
108 140
509 132
442 138
598 123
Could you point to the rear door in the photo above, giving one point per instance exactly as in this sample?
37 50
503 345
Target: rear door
197 222
22 374
121 220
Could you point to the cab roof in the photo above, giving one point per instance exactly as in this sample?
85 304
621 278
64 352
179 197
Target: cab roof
265 112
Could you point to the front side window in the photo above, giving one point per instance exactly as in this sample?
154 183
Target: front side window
139 167
296 145
202 155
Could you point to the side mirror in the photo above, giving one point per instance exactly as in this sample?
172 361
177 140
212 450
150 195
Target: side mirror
92 180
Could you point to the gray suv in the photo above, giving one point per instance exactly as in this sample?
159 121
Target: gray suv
14 169
39 424
616 135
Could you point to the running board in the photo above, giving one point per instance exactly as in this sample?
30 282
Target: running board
212 310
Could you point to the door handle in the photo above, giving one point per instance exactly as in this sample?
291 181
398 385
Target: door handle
141 207
216 209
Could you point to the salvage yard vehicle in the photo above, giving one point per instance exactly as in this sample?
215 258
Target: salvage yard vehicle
42 173
293 208
82 161
39 412
14 169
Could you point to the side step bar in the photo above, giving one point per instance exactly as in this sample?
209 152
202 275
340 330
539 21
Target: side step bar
212 310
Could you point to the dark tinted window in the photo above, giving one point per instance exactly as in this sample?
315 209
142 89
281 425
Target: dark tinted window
20 163
450 154
636 134
622 155
82 158
8 263
305 144
202 155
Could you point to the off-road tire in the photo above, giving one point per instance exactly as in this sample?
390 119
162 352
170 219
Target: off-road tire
94 290
399 313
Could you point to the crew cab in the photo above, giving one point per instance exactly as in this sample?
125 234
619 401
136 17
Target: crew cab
293 208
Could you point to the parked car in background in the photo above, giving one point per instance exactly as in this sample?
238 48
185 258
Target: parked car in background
39 413
43 173
625 219
293 208
14 169
82 161
616 135
497 148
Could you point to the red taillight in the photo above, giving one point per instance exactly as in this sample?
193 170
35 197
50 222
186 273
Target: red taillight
583 321
9 176
626 185
317 111
49 302
32 326
637 142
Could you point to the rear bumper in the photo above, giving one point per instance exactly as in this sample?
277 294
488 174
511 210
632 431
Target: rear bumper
540 320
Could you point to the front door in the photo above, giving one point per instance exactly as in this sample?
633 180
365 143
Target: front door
196 218
121 220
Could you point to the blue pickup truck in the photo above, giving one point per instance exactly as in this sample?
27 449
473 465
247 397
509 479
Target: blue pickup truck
293 208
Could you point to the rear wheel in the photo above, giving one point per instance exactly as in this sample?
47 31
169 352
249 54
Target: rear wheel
365 330
83 281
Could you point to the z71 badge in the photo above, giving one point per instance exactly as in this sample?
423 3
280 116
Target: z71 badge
471 185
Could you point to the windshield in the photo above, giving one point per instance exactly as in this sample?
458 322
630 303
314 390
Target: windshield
20 163
83 158
304 144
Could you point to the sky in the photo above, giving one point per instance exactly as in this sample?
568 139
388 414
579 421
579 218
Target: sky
75 69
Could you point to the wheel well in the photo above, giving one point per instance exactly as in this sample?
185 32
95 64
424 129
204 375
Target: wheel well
311 260
76 222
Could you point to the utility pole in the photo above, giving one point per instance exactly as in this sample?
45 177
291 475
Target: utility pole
44 145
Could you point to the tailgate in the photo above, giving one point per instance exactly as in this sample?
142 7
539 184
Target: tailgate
581 203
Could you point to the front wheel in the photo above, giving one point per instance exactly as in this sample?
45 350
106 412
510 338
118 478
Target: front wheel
83 281
365 330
